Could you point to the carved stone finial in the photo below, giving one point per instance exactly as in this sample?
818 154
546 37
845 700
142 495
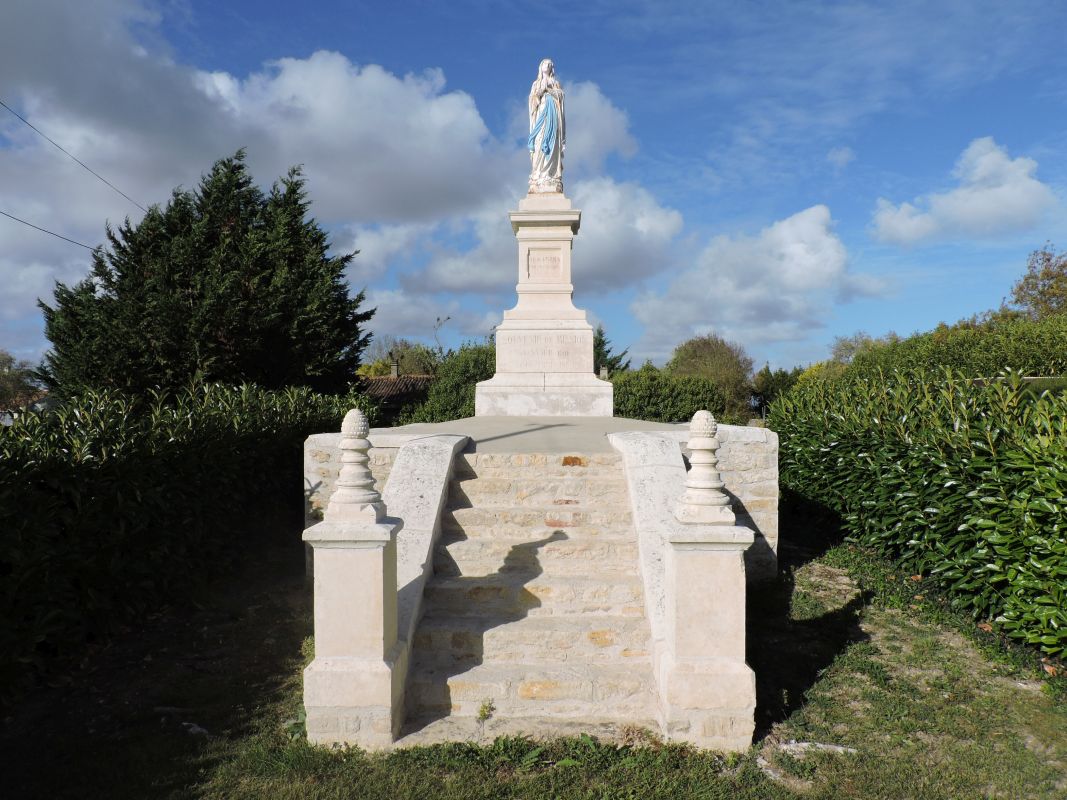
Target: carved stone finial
354 497
704 500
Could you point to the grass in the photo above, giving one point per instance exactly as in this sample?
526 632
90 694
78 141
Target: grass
847 652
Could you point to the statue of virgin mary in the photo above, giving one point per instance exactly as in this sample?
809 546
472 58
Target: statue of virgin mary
548 131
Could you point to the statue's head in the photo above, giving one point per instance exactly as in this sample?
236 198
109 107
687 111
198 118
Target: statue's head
547 67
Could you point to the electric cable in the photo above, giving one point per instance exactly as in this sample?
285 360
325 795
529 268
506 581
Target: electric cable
45 230
83 164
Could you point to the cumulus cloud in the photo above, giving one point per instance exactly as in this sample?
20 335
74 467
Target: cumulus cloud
381 246
775 286
387 156
995 194
403 314
596 128
626 237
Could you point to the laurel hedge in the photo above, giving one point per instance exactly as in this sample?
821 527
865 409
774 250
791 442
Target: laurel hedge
110 505
652 394
982 349
956 479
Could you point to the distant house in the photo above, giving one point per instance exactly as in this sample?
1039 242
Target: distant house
394 392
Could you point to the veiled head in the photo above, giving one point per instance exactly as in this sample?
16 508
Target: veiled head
547 67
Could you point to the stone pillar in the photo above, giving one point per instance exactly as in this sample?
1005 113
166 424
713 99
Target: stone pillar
709 692
544 346
353 690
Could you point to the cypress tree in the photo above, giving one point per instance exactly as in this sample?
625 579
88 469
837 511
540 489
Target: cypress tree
225 283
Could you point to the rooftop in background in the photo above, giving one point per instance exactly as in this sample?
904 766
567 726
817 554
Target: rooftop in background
390 387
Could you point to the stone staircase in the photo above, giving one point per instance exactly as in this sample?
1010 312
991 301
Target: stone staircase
536 607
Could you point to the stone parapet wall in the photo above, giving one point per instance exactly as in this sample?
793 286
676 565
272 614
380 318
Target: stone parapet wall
748 464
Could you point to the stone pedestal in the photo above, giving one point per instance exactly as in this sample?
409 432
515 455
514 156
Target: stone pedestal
354 688
544 346
709 692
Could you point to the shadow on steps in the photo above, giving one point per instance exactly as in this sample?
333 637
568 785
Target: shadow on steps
502 598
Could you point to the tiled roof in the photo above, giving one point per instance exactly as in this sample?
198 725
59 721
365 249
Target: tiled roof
385 387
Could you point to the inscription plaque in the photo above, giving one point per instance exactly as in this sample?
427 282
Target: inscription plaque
543 352
543 265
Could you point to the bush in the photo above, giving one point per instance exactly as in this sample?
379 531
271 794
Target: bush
451 395
975 349
654 395
111 505
961 481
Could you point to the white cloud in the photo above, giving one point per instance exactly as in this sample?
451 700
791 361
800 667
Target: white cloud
388 156
995 194
405 315
596 128
775 286
380 246
626 237
840 157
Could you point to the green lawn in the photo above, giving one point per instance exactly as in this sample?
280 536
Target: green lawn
846 652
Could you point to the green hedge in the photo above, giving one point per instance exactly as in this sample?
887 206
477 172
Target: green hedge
451 395
654 395
1032 347
963 482
111 505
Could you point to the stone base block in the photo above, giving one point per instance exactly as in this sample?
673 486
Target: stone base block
544 395
725 730
352 701
710 703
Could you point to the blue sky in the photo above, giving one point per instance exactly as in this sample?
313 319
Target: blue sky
776 173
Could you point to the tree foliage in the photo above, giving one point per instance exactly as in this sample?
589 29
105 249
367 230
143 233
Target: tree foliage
17 383
656 395
725 363
414 358
1042 291
603 355
452 394
225 283
768 385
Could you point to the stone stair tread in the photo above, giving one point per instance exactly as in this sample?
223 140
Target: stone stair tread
446 639
616 553
436 730
518 581
454 533
437 619
513 532
561 516
522 689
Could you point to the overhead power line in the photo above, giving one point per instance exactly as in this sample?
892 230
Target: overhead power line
45 230
83 164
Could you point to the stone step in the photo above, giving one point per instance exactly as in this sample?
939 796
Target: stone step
513 593
535 465
589 691
422 731
560 517
453 531
456 554
457 641
539 492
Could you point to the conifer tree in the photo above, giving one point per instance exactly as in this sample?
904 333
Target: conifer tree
225 283
603 357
